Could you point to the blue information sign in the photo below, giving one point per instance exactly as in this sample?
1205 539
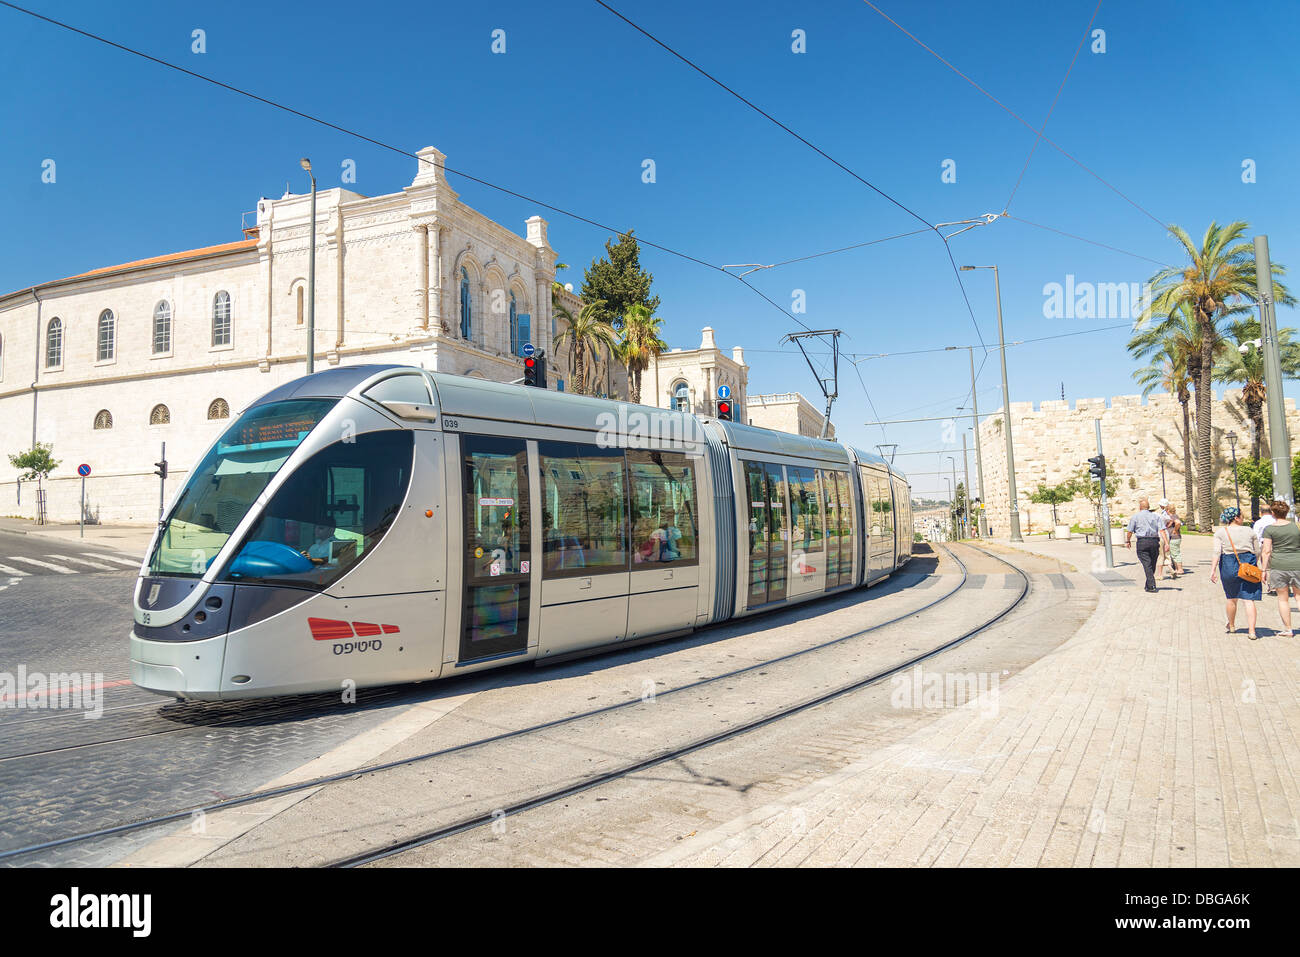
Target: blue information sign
724 392
83 470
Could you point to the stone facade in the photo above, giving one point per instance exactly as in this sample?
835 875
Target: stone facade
1053 441
688 379
168 349
787 412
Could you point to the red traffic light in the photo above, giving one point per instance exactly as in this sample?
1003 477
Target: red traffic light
724 407
529 363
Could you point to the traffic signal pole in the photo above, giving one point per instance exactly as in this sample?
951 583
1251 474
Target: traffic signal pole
1105 509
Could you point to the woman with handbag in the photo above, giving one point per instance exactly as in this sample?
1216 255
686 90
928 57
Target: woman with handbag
1235 548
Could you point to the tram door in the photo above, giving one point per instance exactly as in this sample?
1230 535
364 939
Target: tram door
497 543
767 533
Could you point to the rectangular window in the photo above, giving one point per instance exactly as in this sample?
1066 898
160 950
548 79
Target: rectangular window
664 525
805 510
584 520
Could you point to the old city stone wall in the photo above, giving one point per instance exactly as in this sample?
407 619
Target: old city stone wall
1053 441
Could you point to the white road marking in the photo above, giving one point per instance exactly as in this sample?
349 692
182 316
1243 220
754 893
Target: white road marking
113 558
84 561
36 561
13 571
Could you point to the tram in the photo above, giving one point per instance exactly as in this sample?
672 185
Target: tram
380 524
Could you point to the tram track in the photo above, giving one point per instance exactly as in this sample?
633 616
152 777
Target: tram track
623 771
478 820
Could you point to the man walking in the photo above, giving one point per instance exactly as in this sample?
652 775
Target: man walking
1148 528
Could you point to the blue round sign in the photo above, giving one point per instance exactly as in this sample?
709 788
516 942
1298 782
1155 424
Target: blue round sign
528 350
83 470
724 392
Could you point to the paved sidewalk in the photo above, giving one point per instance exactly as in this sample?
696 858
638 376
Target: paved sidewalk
130 540
1150 738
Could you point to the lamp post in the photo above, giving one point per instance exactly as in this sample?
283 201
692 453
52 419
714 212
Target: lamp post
1232 444
954 491
979 448
311 275
1006 410
1160 457
950 504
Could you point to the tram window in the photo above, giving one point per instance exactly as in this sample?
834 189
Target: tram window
584 528
496 507
400 388
805 510
664 524
329 514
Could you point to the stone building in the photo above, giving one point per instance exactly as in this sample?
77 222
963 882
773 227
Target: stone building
109 364
787 412
688 379
1053 441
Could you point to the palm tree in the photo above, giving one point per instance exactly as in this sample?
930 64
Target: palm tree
1220 271
639 344
586 335
1245 365
1173 349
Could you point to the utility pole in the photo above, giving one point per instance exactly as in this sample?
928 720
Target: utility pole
1105 509
311 275
979 456
965 467
1279 442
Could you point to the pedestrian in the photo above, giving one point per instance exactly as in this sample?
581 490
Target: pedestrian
1162 512
1146 526
1236 545
1263 522
1280 559
1174 529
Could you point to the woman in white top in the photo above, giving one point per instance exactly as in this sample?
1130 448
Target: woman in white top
1230 537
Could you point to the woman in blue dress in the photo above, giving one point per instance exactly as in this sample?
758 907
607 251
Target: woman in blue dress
1235 544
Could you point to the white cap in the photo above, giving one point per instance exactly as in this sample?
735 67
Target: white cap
1164 503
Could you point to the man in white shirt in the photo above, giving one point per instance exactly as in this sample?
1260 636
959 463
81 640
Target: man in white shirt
1264 522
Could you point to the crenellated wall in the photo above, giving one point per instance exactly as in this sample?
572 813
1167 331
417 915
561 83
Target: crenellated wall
1056 438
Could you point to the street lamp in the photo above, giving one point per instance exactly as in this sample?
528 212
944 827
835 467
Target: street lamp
1161 456
954 487
1232 444
1006 410
979 448
311 275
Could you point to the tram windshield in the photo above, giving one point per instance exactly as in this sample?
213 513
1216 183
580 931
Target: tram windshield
224 486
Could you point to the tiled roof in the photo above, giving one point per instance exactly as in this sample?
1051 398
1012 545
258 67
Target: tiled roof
170 257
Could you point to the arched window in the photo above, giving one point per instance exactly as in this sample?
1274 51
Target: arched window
54 344
219 409
107 337
682 397
466 316
514 325
221 319
160 415
162 328
103 419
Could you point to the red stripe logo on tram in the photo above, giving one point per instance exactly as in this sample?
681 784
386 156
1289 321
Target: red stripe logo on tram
331 629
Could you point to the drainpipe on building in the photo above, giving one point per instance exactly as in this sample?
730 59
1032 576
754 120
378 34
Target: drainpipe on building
36 372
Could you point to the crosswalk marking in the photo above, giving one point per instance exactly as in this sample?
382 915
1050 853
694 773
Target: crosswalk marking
113 558
86 561
36 561
13 571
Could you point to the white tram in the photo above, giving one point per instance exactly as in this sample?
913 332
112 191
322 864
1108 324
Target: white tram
383 524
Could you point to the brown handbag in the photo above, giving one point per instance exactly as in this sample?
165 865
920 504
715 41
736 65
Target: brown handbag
1245 570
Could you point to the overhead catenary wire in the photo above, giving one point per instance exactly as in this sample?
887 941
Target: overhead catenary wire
815 148
1046 139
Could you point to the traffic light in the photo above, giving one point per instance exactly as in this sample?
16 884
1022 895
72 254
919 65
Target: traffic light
535 371
724 410
1097 467
160 469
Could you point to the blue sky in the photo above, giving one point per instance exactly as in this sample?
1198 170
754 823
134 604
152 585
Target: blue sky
150 161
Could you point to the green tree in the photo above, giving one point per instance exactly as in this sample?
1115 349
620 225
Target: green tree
639 344
1087 486
1244 365
1256 475
619 282
586 335
36 463
1219 276
1054 495
1172 349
